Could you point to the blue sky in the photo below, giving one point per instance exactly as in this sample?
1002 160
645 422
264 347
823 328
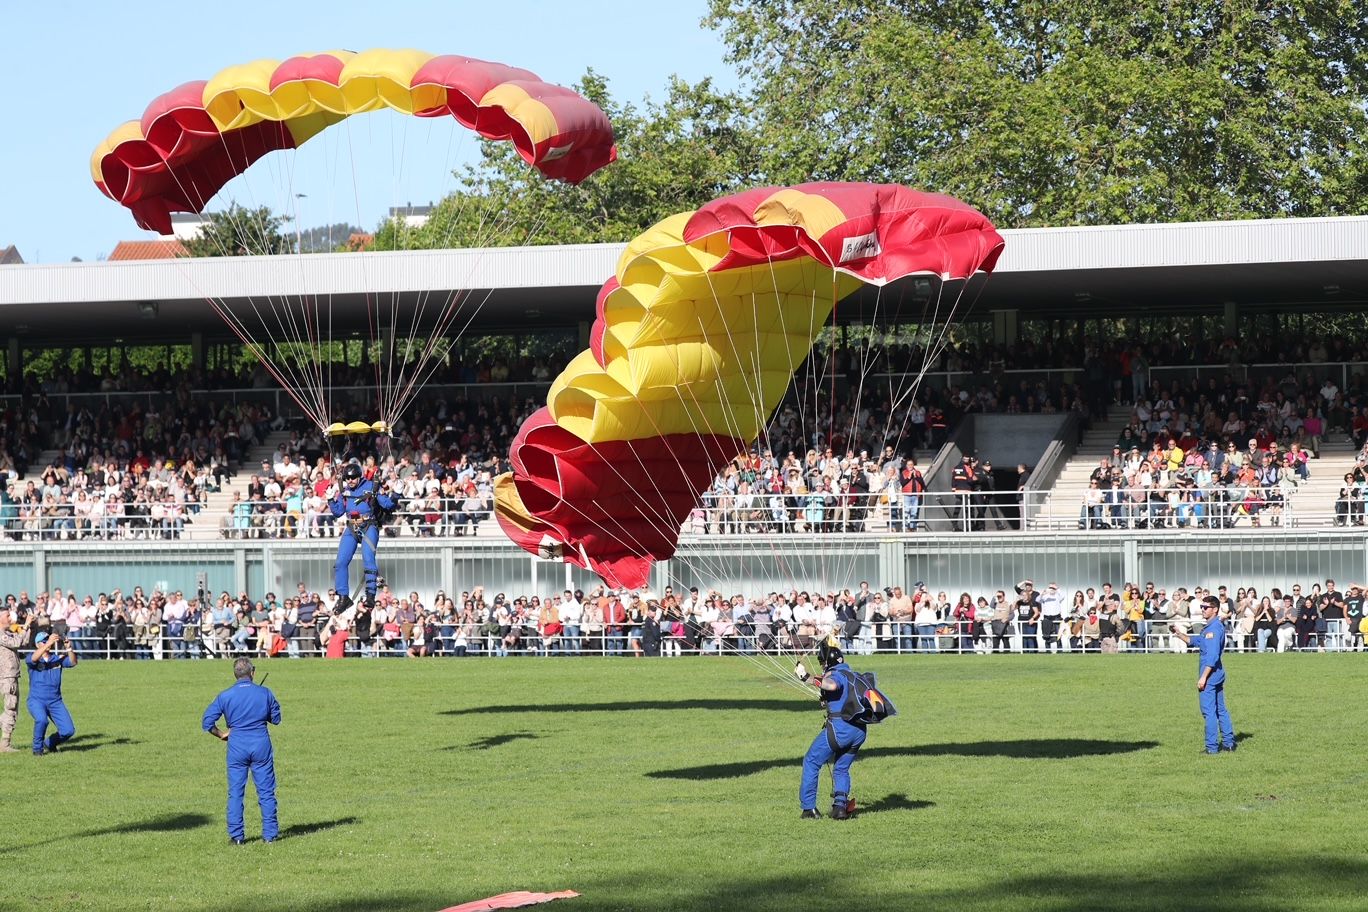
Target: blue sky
78 70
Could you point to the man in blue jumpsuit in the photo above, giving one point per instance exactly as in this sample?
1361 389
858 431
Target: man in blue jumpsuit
839 739
246 708
358 503
1220 732
45 665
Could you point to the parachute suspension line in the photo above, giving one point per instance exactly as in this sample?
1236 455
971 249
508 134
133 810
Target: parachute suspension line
426 364
299 372
278 367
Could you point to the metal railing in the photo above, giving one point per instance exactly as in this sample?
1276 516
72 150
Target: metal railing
1257 372
844 514
1072 634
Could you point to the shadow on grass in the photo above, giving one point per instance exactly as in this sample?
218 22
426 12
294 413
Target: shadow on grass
304 829
166 823
492 741
92 741
793 705
894 802
1298 881
1027 749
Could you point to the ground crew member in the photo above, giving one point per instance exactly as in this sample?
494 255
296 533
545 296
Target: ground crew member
839 739
1220 733
12 639
45 690
246 708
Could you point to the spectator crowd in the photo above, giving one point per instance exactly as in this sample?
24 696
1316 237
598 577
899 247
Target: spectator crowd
1021 619
1212 452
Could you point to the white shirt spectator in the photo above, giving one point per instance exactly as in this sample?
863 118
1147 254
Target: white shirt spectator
571 612
1052 602
176 608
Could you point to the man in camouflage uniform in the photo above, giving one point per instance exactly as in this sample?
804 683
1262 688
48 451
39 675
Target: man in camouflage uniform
12 639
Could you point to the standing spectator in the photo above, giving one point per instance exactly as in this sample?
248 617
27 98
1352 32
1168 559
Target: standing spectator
963 615
571 617
1001 622
1265 621
1353 617
902 614
925 619
1307 617
1332 613
1027 615
912 485
1286 618
1051 617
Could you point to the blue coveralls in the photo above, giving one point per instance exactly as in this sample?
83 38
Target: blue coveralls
838 739
246 708
45 701
1219 729
360 529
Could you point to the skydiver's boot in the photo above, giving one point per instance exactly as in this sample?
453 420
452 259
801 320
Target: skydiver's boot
810 814
343 603
842 808
370 601
5 746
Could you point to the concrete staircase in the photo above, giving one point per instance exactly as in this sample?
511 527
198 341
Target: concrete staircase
1311 505
206 525
1060 508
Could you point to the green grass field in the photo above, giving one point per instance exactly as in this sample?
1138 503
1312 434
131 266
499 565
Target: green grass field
1049 783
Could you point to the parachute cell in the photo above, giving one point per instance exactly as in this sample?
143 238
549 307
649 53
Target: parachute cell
696 339
195 138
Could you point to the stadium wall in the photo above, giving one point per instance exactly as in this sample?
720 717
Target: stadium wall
978 563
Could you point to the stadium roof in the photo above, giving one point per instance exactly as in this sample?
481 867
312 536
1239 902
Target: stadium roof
1282 264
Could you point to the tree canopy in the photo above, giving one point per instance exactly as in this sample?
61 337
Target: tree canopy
239 231
674 155
1042 113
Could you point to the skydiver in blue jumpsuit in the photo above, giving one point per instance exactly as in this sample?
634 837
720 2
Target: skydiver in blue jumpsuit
45 691
357 503
246 708
1220 731
839 740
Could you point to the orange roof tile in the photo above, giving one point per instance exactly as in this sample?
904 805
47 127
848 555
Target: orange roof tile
147 250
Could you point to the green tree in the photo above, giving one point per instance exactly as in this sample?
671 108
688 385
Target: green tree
695 145
239 231
1040 113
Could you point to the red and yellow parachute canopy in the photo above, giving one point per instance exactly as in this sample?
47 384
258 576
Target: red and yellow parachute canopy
195 138
697 337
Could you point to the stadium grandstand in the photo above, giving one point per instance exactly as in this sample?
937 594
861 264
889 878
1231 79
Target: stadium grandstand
1125 403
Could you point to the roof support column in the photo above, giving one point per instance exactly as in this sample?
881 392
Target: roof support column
1005 326
15 360
1231 325
197 352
